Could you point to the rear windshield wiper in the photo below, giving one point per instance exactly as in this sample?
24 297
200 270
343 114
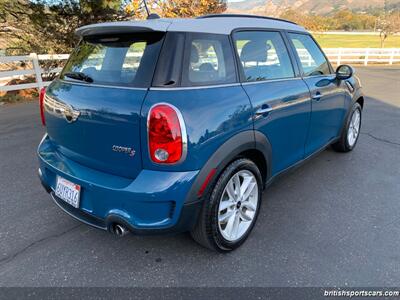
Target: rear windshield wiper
79 76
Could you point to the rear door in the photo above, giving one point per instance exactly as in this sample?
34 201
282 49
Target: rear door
197 74
280 99
93 110
327 93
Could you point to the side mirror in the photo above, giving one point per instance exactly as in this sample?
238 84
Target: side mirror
344 72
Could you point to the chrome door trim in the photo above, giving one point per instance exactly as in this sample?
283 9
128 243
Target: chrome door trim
103 85
281 105
193 87
271 80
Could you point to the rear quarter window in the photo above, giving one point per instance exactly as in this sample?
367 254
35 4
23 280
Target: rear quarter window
122 60
208 60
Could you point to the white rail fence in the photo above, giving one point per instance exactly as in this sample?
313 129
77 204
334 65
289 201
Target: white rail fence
32 60
363 56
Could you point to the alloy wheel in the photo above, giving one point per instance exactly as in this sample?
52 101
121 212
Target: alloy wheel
354 128
238 205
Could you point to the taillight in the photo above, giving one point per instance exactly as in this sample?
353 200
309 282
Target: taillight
41 104
166 134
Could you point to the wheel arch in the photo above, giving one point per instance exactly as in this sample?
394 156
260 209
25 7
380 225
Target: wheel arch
358 97
360 101
249 144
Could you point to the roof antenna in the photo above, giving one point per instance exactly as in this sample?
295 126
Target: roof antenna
149 15
147 9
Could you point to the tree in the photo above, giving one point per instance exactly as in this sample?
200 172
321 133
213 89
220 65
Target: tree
175 8
388 24
49 26
394 20
345 19
310 22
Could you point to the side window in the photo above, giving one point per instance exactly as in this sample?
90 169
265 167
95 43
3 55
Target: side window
209 60
311 57
263 55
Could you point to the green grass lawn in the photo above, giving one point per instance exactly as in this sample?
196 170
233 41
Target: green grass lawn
356 41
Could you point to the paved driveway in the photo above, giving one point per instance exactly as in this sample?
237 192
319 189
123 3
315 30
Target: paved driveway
333 222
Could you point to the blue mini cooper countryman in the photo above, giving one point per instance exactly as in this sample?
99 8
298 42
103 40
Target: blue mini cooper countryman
171 125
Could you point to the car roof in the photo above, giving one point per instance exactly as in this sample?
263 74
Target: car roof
217 24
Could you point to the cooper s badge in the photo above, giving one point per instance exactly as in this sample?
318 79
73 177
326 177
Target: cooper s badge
127 150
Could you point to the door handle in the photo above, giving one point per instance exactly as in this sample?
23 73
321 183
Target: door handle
317 96
262 111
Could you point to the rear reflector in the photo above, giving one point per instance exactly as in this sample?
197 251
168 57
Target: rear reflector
166 134
41 104
206 182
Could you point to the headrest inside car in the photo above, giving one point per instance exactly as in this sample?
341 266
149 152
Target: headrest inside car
255 51
194 54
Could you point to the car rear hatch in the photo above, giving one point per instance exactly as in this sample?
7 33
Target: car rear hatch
92 112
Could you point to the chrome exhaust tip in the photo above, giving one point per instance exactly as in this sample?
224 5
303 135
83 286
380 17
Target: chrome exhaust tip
119 230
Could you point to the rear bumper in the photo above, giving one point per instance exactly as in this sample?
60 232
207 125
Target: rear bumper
154 202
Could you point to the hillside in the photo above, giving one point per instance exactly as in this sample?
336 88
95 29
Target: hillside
320 7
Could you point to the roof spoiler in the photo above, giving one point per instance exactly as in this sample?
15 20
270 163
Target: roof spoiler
123 27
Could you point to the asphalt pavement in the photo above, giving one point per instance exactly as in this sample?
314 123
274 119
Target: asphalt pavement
334 221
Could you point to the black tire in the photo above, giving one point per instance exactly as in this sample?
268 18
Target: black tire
206 232
342 145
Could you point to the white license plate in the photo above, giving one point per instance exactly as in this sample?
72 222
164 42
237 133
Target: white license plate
68 191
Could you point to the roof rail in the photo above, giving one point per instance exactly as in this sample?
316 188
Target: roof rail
243 16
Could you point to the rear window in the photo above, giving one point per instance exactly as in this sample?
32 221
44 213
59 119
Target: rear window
123 60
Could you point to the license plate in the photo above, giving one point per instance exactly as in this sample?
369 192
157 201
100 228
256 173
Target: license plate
68 191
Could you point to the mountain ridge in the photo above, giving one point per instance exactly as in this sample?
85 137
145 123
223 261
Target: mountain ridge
319 7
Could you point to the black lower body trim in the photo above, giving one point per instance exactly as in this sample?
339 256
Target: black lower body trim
186 222
299 163
79 214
